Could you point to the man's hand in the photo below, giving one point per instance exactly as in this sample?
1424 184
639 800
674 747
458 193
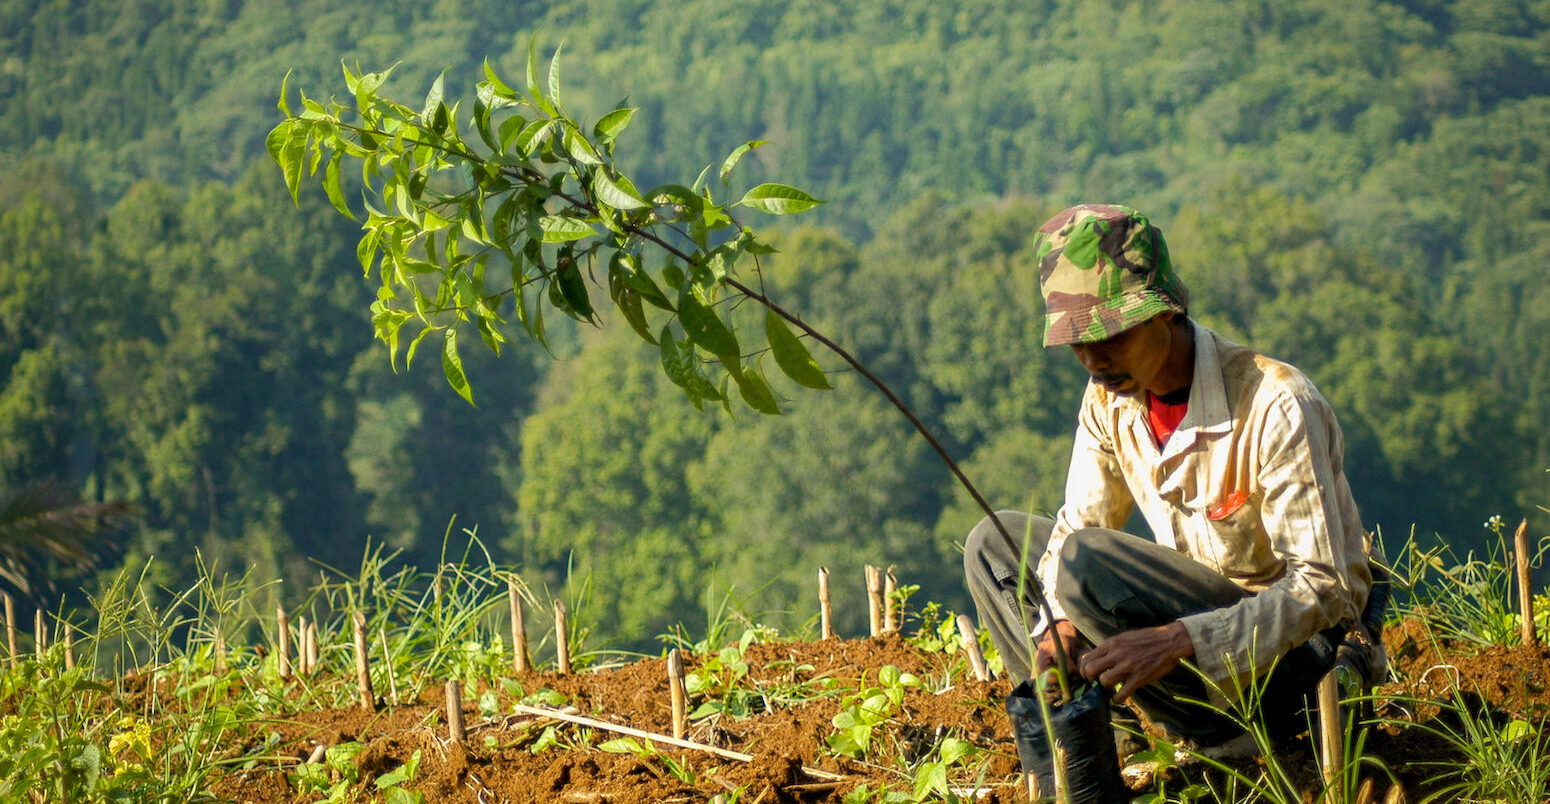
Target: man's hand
1069 639
1136 658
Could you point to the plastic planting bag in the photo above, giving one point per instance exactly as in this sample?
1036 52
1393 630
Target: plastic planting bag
1084 734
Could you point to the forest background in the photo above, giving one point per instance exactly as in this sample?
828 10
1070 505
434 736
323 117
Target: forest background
1361 188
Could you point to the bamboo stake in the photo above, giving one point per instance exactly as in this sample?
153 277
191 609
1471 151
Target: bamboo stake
10 628
971 646
561 640
387 662
69 637
1331 750
220 655
521 661
890 606
40 633
1525 585
874 597
825 612
302 651
363 664
658 738
283 620
455 728
680 696
314 654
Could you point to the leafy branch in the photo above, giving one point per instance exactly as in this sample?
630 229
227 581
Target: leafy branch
459 236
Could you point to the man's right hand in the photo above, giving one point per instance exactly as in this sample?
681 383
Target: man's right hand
1044 659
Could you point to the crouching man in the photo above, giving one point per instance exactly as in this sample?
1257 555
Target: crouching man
1236 463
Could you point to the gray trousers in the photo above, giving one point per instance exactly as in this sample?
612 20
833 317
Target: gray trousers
1112 582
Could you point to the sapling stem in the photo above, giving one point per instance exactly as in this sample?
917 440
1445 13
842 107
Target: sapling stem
561 640
971 646
363 663
890 606
874 598
680 696
455 728
825 612
1525 585
521 661
283 642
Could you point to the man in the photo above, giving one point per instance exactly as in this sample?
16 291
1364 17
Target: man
1235 462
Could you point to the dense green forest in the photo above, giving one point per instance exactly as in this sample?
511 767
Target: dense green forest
1362 188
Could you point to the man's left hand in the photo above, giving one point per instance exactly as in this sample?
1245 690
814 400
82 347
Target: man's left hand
1136 658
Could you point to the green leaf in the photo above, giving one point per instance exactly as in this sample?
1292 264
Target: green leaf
433 98
564 229
287 144
706 329
574 289
779 199
954 750
554 79
622 745
532 77
755 391
285 104
612 124
331 185
737 156
613 194
398 795
501 88
579 149
791 355
679 362
452 367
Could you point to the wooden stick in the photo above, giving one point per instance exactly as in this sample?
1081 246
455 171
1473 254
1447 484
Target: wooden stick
363 664
971 646
825 612
1525 585
890 606
283 620
658 738
69 636
314 654
302 651
680 695
1331 750
874 597
455 712
10 628
521 661
561 639
387 662
40 633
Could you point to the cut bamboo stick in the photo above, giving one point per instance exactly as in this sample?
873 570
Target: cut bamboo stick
363 664
283 638
1396 795
314 653
874 597
10 628
69 636
680 696
1368 789
220 655
561 639
521 661
657 738
302 651
1525 585
455 728
387 663
1331 749
825 612
890 605
971 646
39 633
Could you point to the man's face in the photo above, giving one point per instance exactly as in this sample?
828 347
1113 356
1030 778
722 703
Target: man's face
1129 362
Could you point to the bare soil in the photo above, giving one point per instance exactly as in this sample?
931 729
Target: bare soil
497 763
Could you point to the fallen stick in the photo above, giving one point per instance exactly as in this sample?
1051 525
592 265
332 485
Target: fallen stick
971 646
561 641
825 612
660 738
1525 585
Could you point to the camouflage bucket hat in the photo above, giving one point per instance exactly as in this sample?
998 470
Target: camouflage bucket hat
1102 270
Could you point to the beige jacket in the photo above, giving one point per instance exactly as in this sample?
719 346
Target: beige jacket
1251 485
